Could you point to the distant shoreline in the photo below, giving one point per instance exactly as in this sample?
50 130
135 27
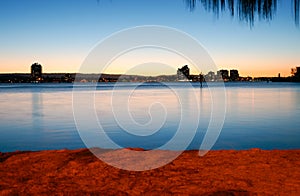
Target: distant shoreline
105 78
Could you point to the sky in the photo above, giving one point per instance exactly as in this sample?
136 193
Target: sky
60 34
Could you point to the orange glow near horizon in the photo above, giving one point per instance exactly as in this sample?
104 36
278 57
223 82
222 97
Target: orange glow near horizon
62 64
248 71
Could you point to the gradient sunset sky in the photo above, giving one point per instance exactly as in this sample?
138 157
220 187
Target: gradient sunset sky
59 34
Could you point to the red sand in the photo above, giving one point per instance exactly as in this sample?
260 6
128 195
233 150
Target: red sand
77 172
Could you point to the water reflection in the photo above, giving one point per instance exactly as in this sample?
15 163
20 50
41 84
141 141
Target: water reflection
258 115
261 117
37 111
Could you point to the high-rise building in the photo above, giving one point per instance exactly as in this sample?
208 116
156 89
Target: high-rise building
297 73
210 76
224 74
234 75
183 73
36 72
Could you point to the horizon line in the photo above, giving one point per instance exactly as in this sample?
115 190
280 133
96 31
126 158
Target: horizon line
116 74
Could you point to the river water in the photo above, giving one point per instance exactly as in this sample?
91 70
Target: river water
41 116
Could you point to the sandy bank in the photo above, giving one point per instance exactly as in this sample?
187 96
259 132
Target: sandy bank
77 172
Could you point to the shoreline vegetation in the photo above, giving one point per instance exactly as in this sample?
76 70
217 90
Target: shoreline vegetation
221 172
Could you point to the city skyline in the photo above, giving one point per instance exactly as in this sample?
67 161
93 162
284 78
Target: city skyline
286 73
61 41
36 69
140 71
182 74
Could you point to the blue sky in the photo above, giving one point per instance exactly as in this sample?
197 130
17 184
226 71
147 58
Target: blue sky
60 33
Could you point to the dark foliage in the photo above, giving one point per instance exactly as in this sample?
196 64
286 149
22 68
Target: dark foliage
245 10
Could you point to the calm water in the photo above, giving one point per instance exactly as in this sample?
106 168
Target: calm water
259 115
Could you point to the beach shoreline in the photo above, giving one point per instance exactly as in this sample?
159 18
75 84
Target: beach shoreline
219 172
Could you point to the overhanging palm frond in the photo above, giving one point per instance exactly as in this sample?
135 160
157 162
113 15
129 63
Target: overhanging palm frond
246 10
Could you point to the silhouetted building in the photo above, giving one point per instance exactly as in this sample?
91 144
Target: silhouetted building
234 75
67 78
183 73
296 72
210 77
36 72
194 78
224 74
